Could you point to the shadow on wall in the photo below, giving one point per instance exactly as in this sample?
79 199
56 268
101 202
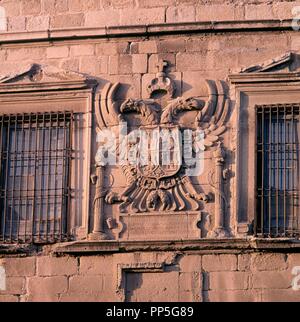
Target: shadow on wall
295 64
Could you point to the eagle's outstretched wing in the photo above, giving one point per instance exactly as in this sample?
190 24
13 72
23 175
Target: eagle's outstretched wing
211 119
107 112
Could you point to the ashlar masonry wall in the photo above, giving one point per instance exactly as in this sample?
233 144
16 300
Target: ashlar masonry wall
191 277
241 274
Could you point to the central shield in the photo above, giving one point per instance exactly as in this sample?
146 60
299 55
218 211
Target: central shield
160 151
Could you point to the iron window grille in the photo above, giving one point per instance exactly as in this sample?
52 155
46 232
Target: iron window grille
35 154
277 155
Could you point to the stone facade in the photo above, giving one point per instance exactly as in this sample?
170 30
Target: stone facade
186 276
100 55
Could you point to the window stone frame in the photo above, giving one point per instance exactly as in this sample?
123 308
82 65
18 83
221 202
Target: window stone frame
43 89
249 90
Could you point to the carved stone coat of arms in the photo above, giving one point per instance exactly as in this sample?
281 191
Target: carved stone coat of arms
158 154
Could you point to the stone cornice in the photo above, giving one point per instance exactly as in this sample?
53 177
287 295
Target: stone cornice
201 246
226 245
144 30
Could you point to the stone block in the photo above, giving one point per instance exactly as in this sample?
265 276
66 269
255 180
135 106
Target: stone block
259 12
84 5
86 285
47 285
82 50
37 23
121 64
217 12
181 14
176 45
26 53
19 266
14 286
54 7
67 20
232 296
58 52
272 280
142 16
280 296
157 3
140 63
53 266
95 265
244 262
216 263
190 263
12 8
194 61
148 47
30 7
117 4
269 262
228 280
104 18
17 23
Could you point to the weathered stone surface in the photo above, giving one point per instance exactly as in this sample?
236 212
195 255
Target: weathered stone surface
244 262
293 260
29 53
84 5
258 12
181 14
147 47
17 23
215 263
269 280
102 18
58 52
47 286
82 50
229 280
37 23
190 263
139 63
14 286
233 296
142 16
55 6
132 60
280 296
19 266
52 266
86 285
158 287
269 262
68 20
30 7
95 265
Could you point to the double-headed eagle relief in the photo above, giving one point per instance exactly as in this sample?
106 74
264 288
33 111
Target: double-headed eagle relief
167 151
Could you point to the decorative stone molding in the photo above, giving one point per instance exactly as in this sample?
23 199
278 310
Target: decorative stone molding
269 65
76 34
42 88
262 84
220 198
140 267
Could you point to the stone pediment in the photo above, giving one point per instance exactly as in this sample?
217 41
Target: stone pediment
278 63
43 76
